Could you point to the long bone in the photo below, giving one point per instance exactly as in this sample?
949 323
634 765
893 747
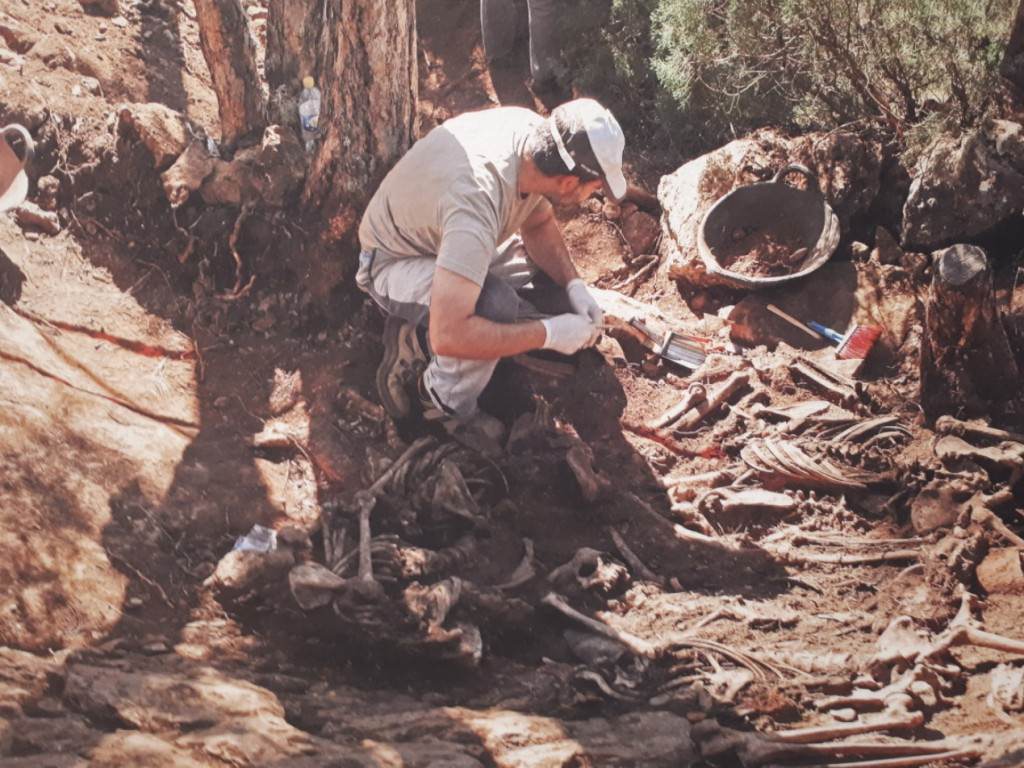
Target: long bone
648 650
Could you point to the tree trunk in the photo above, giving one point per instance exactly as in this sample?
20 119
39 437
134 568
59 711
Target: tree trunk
966 360
293 31
230 54
367 57
1012 67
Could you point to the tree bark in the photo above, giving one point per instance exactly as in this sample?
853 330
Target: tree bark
966 360
293 30
1012 66
230 54
367 55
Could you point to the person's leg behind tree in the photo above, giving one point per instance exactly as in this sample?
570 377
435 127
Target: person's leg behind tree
545 50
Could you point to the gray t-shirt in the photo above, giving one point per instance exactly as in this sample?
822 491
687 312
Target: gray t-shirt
454 195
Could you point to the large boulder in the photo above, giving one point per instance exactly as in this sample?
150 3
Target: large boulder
963 186
848 169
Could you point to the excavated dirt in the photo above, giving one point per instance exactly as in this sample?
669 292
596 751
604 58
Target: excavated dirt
764 252
134 401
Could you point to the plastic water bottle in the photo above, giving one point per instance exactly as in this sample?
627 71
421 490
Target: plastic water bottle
309 112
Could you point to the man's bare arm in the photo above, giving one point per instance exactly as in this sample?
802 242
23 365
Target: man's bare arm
457 331
544 242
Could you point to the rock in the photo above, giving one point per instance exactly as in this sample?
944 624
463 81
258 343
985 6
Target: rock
120 22
164 131
847 167
61 27
18 38
641 231
187 174
31 215
100 7
54 53
91 85
64 733
859 250
124 748
936 506
243 570
845 715
48 188
965 186
24 678
886 250
270 173
1001 572
314 586
76 90
172 696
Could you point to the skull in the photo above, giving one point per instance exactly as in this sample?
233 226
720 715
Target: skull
590 570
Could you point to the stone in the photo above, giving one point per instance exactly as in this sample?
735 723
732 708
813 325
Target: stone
120 22
886 250
54 53
848 170
243 570
18 38
101 7
91 85
187 174
936 506
270 173
47 190
174 696
641 231
24 678
66 733
29 214
313 585
164 132
144 750
964 186
1001 572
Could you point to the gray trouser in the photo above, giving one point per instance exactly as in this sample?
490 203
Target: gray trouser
401 286
498 25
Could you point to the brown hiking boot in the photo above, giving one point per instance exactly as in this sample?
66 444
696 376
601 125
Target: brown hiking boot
402 363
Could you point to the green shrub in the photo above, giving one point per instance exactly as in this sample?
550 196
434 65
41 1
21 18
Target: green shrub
711 69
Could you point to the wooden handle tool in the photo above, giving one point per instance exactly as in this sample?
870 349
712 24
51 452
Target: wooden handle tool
790 319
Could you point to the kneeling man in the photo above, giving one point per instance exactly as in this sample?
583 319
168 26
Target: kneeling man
461 248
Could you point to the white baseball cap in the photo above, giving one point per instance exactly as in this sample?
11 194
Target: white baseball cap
602 147
13 181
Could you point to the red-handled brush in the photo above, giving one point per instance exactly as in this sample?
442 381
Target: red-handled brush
857 342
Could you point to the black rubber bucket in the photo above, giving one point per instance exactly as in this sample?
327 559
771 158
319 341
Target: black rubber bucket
765 206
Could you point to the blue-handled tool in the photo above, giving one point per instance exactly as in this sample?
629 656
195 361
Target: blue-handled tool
854 344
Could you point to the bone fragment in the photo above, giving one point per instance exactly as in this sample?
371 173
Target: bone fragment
524 571
933 758
366 408
947 425
696 393
787 555
634 562
635 644
714 401
683 482
895 721
840 391
988 519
